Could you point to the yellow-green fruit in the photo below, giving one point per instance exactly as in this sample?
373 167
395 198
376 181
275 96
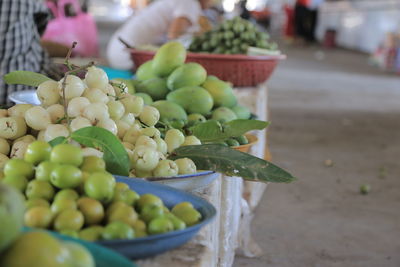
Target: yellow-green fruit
190 74
145 71
11 215
187 214
36 249
91 233
38 217
168 57
93 164
125 214
36 202
148 199
193 99
92 210
79 255
221 92
223 114
69 219
155 87
241 112
170 111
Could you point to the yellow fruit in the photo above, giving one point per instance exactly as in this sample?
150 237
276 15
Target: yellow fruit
35 249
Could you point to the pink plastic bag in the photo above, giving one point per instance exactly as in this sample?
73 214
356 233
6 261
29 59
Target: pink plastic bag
65 30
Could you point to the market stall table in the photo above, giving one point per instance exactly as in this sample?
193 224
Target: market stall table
235 202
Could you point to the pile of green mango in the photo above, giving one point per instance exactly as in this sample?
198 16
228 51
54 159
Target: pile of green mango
232 37
182 92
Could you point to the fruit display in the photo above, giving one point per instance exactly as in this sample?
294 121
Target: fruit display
74 195
187 116
233 36
184 94
72 104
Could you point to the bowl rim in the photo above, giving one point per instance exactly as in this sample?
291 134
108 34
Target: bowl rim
134 51
211 211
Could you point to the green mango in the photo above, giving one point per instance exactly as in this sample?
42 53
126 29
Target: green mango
145 71
155 87
223 114
170 111
193 99
146 98
196 118
212 77
221 93
190 74
241 112
168 57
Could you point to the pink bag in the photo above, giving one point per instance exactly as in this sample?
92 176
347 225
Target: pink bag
65 30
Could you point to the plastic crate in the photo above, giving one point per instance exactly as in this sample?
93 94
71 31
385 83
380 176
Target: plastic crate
240 70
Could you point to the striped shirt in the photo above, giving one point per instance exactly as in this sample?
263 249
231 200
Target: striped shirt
21 24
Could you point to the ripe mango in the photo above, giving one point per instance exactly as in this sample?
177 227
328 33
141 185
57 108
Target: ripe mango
170 111
221 92
190 74
145 71
193 99
168 57
155 87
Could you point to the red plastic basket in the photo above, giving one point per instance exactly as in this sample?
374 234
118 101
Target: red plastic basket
240 70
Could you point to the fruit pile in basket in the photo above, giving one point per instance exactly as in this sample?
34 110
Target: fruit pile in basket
186 96
233 36
74 195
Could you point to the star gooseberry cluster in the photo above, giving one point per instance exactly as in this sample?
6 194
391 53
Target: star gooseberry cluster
74 103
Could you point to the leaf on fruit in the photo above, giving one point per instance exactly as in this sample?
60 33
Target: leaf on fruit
115 155
25 77
58 140
231 162
237 128
213 131
208 131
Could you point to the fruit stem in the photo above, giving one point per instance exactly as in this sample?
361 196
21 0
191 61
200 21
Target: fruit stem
68 56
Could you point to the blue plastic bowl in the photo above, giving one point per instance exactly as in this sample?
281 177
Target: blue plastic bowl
185 182
144 247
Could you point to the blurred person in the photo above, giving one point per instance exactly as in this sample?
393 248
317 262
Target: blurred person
305 16
161 21
21 24
244 12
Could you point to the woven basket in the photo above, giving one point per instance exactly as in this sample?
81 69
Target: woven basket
240 70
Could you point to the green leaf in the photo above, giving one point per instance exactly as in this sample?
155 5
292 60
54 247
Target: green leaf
237 128
58 140
208 131
213 131
231 162
115 155
25 77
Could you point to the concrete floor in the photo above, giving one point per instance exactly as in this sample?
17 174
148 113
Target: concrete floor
331 106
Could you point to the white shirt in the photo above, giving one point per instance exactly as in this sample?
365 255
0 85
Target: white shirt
150 26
